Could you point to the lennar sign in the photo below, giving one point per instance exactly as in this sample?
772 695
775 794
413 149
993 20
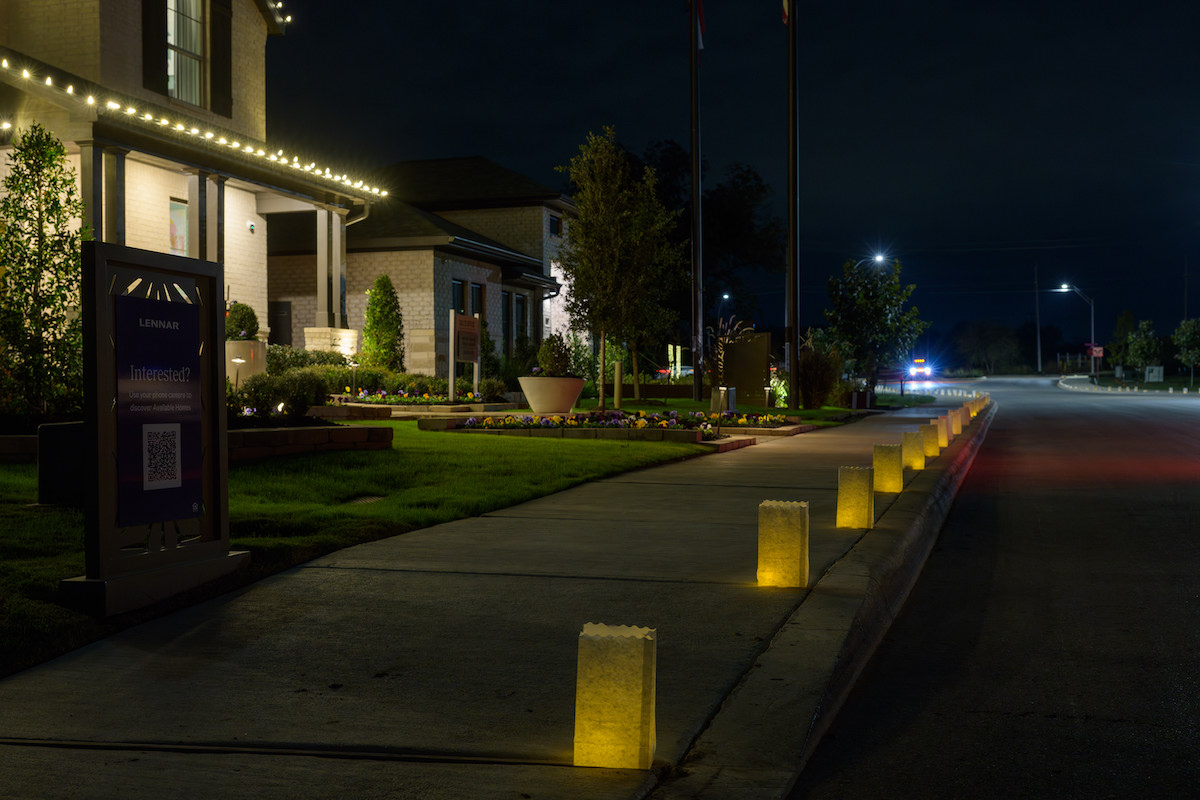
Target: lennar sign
156 512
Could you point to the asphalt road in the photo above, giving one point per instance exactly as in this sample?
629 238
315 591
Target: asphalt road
1051 646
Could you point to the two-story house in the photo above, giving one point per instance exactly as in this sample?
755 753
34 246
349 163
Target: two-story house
462 233
161 104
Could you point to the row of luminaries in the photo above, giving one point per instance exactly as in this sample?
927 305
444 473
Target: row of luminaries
614 693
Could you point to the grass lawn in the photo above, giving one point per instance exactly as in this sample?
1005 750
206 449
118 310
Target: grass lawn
287 511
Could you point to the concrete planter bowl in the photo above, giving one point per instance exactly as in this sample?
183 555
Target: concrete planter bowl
551 395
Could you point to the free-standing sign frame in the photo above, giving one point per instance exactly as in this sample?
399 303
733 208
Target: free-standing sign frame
156 511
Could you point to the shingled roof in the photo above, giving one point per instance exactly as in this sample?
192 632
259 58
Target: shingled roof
465 183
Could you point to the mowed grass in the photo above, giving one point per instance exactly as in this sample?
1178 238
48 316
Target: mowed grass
287 511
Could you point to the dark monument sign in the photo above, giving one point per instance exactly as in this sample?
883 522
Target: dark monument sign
156 513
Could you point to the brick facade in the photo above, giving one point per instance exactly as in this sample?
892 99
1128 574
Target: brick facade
101 41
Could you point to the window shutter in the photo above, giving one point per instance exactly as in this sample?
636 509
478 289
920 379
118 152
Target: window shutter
221 57
154 45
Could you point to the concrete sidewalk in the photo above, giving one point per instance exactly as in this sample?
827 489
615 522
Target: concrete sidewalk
441 663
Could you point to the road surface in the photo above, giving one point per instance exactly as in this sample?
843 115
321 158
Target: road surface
1052 645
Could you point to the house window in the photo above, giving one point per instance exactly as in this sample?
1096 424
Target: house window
506 322
521 315
477 301
179 227
458 298
185 50
555 225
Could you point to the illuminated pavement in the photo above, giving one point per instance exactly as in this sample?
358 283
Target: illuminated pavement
441 663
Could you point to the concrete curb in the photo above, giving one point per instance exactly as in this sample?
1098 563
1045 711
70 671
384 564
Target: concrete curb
768 727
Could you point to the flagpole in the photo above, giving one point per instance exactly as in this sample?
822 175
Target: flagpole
697 239
793 190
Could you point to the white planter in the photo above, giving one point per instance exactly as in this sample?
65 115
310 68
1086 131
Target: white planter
551 395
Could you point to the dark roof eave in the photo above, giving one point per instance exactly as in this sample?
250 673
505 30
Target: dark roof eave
460 244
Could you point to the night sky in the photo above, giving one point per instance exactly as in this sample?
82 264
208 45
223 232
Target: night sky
973 141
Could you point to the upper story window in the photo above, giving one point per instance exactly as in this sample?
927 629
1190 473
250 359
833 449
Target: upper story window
185 50
556 228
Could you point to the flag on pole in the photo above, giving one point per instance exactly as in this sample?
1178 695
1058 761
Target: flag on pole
785 11
699 24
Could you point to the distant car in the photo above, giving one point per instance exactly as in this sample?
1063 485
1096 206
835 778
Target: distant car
920 368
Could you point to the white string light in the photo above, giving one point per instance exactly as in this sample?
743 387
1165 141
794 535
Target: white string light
132 112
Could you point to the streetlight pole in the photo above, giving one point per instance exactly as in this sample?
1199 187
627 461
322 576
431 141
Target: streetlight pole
1070 287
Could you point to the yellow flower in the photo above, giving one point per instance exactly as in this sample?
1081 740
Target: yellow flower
641 413
641 423
488 421
347 390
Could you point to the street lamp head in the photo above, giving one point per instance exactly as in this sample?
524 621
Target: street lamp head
1065 288
725 297
879 258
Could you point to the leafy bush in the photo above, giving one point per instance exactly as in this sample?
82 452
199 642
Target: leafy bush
464 387
261 393
554 357
492 389
299 390
383 328
281 358
819 369
240 322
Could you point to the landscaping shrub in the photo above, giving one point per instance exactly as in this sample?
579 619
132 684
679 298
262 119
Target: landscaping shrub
299 390
260 393
240 322
818 373
492 389
554 357
281 358
383 329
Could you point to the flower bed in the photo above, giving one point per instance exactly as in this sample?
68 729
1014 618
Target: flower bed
403 398
706 424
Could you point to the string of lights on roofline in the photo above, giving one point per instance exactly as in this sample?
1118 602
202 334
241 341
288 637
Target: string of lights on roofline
279 157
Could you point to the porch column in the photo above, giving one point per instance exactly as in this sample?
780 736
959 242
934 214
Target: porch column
114 194
91 175
338 251
324 317
198 215
216 210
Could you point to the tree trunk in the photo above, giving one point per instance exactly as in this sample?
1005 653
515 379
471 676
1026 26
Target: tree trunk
637 384
603 374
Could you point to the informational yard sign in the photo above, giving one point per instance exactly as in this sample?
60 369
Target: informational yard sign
158 410
156 511
466 338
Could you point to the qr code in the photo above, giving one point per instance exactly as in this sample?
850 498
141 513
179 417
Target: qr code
161 462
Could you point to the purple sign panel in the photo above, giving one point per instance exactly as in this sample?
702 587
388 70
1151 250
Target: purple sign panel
158 411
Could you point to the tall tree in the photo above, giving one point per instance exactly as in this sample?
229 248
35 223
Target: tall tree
1118 346
1144 346
383 328
989 346
1187 338
617 257
869 317
41 264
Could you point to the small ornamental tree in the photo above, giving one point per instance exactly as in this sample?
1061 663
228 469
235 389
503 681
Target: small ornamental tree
1143 346
869 319
1187 339
41 334
383 330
